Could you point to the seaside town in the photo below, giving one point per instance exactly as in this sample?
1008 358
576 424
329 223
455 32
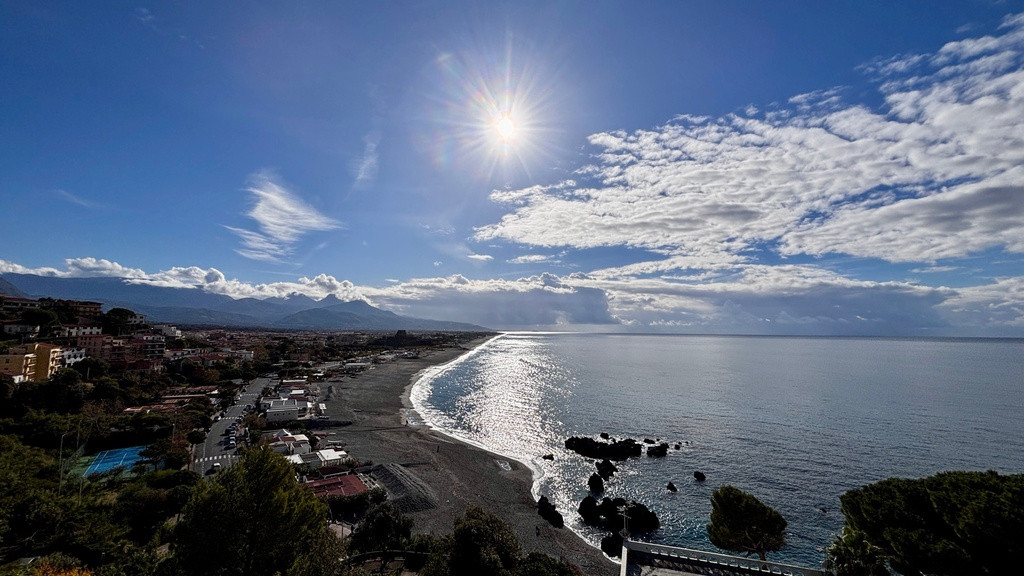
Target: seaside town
130 447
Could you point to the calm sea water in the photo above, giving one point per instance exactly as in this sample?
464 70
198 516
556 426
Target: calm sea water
795 421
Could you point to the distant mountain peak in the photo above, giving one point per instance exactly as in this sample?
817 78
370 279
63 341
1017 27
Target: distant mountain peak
195 306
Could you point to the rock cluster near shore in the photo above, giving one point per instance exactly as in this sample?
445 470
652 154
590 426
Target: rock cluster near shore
611 513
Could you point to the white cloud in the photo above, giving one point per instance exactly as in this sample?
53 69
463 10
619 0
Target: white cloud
991 309
480 257
77 268
282 218
935 176
779 299
78 200
366 171
529 259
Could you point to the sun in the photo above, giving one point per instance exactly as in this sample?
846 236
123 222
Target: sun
505 127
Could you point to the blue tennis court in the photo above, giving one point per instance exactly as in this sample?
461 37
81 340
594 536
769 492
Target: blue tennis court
110 459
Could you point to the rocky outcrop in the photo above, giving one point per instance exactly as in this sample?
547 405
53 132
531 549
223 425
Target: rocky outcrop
548 457
606 469
609 515
699 476
548 512
595 483
671 487
659 451
611 450
612 545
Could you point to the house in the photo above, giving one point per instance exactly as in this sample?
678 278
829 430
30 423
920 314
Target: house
291 444
343 485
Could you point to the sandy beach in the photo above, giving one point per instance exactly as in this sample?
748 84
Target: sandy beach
456 475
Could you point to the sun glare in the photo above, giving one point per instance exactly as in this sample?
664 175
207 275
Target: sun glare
505 127
493 112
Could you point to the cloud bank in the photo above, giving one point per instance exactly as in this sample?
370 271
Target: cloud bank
939 174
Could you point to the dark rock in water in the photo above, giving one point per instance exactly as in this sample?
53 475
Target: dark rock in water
608 515
606 469
823 510
677 446
547 511
648 441
612 545
615 450
658 451
588 511
699 476
604 435
596 483
548 456
671 487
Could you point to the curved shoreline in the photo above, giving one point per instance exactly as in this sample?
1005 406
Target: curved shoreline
461 473
434 372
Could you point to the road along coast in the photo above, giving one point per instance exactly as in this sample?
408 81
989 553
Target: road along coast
445 476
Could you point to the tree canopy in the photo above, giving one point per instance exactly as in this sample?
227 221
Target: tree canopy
482 543
949 524
252 519
742 523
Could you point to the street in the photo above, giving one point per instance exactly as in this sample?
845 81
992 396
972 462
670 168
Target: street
216 448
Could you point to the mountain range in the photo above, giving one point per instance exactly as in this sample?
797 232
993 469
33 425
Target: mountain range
190 306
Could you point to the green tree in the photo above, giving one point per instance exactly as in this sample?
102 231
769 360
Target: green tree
383 528
37 317
742 523
92 368
951 523
850 554
117 321
253 519
481 543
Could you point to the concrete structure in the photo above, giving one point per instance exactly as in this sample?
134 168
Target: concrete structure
641 558
23 365
320 458
21 329
168 331
76 331
343 485
149 346
71 356
48 358
14 305
95 345
291 444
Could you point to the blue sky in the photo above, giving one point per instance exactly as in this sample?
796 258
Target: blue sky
723 167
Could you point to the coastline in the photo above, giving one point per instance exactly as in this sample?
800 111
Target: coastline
387 430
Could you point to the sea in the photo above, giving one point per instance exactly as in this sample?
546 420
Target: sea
795 421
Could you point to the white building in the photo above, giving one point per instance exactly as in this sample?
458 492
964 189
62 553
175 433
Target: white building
168 331
69 356
320 458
